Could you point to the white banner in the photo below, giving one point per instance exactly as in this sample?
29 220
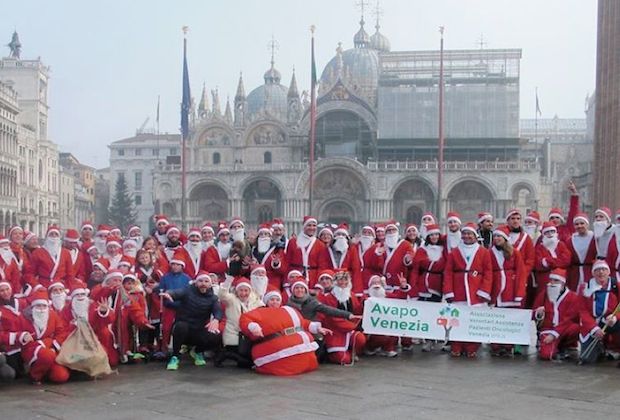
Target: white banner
442 321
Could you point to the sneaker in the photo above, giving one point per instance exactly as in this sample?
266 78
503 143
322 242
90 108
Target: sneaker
391 353
173 364
138 356
446 347
124 359
160 356
518 350
373 352
428 346
183 349
612 355
199 360
407 348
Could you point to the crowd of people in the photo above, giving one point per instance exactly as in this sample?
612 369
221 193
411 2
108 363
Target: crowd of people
281 304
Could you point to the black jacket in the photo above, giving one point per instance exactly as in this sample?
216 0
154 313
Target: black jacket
309 307
196 308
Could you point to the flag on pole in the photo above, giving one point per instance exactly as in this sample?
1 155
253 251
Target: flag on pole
157 119
312 122
185 104
538 111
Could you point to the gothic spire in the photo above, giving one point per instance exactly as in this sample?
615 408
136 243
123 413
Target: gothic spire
240 88
228 113
292 90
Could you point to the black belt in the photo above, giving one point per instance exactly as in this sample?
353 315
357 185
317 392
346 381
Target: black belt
432 272
286 331
305 268
584 265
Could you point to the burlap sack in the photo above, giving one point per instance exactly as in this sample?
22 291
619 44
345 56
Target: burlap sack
83 352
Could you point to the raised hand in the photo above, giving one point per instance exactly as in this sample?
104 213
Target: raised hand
402 280
103 306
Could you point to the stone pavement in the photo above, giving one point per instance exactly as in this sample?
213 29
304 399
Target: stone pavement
420 386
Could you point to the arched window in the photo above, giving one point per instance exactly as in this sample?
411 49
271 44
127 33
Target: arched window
267 157
216 158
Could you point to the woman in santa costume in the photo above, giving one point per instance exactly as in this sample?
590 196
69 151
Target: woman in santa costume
271 255
557 310
216 257
426 276
468 279
551 253
11 308
509 279
9 271
582 248
306 254
365 244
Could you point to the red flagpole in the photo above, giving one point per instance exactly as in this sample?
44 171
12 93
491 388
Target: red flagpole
312 125
441 135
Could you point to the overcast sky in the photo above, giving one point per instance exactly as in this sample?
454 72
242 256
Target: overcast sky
110 60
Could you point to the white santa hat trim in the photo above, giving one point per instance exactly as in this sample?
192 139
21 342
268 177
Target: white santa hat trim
431 231
124 263
501 233
129 242
581 218
52 230
79 291
87 225
130 277
278 225
554 276
266 229
374 277
177 261
55 284
118 244
549 228
172 229
243 284
470 229
202 277
4 240
232 222
99 265
602 213
558 215
6 283
341 230
391 225
194 233
369 228
600 264
271 294
310 220
209 228
485 216
40 302
259 267
301 282
454 219
294 273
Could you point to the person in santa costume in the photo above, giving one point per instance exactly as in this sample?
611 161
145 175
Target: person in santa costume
347 342
565 226
271 255
71 243
468 279
365 244
11 308
161 228
50 263
412 235
283 340
306 254
380 232
326 283
279 233
600 298
551 253
485 229
58 294
426 276
192 253
113 251
453 237
582 248
149 276
520 240
99 316
41 333
173 241
150 245
134 318
9 271
394 257
103 231
604 237
207 235
384 345
135 233
17 238
87 233
509 279
216 258
130 248
557 311
531 225
259 280
343 256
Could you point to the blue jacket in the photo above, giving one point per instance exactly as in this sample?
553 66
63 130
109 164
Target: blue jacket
173 281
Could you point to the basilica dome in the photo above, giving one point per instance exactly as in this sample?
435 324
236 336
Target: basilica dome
268 100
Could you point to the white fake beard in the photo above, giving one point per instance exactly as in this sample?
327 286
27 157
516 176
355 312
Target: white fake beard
341 244
58 301
216 289
7 255
366 242
391 240
207 244
453 239
239 234
342 294
80 307
530 230
434 252
40 318
554 291
303 240
264 244
223 249
376 292
131 252
422 231
52 245
259 284
99 244
139 241
599 228
194 249
550 243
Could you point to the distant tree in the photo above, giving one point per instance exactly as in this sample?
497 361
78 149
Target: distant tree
122 211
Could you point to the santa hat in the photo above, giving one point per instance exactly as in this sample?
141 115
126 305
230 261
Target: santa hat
161 219
237 220
270 293
581 217
309 219
257 267
380 227
392 224
15 229
103 229
503 231
294 273
4 283
116 231
428 214
38 297
556 212
194 232
433 228
342 228
112 274
548 226
129 243
327 229
512 212
103 264
370 228
265 227
172 229
91 247
222 227
328 273
203 275
3 239
605 211
29 235
133 228
127 261
454 216
129 276
411 226
375 277
79 291
600 264
301 281
52 228
55 284
113 240
241 282
72 235
533 216
484 215
471 227
177 258
279 223
207 227
87 224
558 274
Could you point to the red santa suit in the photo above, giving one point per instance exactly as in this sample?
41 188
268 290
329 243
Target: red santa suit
546 261
567 229
348 261
468 278
307 255
598 302
426 275
10 314
509 279
44 269
393 262
9 273
287 347
275 264
365 258
78 264
214 262
20 256
583 255
346 342
193 261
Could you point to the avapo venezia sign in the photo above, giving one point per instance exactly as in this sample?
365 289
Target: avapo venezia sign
442 321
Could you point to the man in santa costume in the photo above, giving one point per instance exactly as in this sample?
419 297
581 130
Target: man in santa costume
101 237
520 240
531 225
551 253
347 342
50 263
207 234
259 280
557 311
279 234
582 247
394 257
113 251
71 243
244 248
87 232
135 233
9 271
326 283
271 255
192 253
306 254
453 237
599 300
41 333
57 293
130 248
485 229
216 258
427 219
173 241
161 228
343 256
16 238
604 233
565 226
11 308
468 279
